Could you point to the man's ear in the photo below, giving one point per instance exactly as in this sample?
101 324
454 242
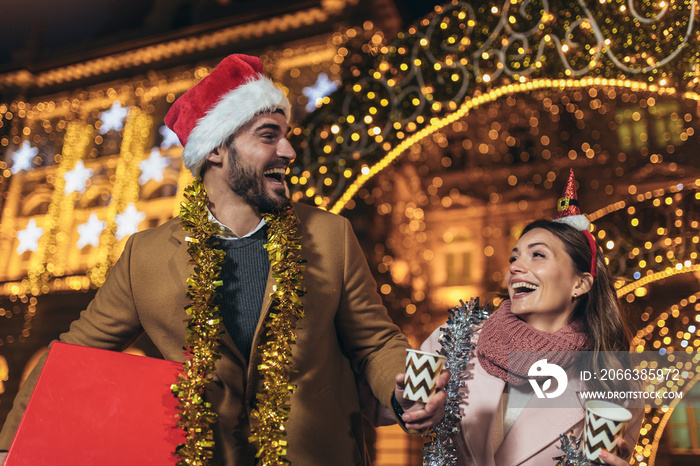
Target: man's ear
583 284
217 155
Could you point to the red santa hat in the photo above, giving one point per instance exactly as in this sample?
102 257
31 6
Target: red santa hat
569 212
215 108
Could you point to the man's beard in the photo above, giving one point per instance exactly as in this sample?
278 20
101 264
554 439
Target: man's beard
246 183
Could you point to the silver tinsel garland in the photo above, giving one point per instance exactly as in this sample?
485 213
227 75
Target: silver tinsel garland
456 341
573 455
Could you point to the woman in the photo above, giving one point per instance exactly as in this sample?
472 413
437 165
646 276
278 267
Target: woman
561 299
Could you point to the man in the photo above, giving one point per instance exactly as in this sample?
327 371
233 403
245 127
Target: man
233 127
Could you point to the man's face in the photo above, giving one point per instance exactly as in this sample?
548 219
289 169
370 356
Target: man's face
258 159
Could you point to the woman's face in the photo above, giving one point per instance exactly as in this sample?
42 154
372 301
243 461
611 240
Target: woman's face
542 281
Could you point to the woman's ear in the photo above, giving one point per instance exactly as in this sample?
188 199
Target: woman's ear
583 284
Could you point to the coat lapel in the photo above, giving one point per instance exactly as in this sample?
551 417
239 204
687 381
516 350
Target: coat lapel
184 270
255 358
537 426
482 402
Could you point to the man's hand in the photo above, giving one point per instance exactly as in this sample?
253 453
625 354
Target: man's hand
3 455
419 415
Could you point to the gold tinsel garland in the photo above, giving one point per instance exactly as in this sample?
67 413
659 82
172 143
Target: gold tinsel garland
204 328
273 405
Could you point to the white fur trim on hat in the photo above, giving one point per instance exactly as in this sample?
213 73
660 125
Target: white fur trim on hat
580 222
233 110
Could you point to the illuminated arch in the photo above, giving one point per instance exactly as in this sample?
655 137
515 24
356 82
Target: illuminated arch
468 54
164 188
436 124
654 337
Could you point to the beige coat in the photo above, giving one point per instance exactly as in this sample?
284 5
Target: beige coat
533 439
346 331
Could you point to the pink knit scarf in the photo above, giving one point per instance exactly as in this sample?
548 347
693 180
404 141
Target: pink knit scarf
505 333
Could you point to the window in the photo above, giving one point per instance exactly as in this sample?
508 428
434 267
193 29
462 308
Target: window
684 425
658 126
458 268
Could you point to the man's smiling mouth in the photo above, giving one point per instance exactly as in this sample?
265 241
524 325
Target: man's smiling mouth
275 174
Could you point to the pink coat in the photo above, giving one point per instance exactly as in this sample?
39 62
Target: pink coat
533 440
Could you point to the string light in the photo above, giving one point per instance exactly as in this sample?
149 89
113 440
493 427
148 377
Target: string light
60 211
125 190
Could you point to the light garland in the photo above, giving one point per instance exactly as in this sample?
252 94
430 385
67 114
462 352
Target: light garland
273 399
674 250
658 192
125 190
42 266
154 54
665 417
653 277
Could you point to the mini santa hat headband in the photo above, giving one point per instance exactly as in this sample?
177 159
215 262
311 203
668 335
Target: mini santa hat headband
216 107
569 212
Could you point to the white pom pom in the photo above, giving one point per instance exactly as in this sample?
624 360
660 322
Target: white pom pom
580 222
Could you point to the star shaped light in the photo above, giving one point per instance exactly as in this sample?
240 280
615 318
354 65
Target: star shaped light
169 137
90 231
128 221
318 91
22 158
77 178
29 237
152 167
113 118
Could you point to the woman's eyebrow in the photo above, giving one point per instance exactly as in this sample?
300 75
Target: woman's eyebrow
532 245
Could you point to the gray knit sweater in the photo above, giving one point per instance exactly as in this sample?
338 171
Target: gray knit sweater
244 274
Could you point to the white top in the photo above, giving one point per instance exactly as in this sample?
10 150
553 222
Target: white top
226 233
516 400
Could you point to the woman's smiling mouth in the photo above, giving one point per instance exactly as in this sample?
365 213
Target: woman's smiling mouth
523 288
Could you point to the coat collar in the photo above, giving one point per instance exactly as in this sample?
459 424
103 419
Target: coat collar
184 270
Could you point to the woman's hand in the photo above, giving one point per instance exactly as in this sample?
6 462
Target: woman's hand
419 415
624 452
